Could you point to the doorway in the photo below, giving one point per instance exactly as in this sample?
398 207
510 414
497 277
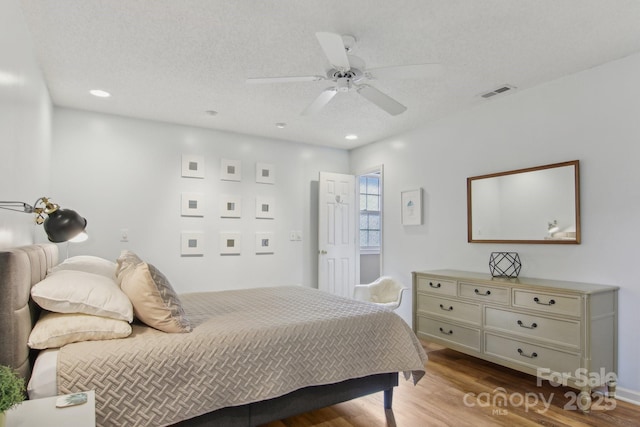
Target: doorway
337 233
370 186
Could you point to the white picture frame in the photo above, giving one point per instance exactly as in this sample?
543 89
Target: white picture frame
265 243
411 204
230 206
230 170
192 243
230 243
192 166
192 204
265 173
265 208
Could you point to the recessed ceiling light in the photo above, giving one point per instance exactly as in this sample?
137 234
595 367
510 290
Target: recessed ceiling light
211 112
281 125
351 137
99 93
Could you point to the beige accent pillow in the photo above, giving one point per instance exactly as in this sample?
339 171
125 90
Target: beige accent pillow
154 301
125 263
71 291
57 329
88 263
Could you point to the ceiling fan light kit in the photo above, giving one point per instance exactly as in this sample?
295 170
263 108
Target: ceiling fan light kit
348 72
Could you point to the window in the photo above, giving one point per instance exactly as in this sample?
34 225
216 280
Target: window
370 213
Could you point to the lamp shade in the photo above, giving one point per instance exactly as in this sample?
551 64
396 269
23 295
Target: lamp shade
63 225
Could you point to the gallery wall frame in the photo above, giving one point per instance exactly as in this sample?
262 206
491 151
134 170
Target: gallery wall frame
230 206
230 243
265 173
192 204
230 170
265 243
265 208
192 166
411 205
192 243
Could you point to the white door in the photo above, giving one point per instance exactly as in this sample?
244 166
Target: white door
337 262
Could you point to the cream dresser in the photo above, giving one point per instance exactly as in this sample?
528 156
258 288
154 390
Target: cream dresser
563 331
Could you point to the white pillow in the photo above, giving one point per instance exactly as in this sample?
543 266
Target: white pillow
88 263
44 381
57 329
70 291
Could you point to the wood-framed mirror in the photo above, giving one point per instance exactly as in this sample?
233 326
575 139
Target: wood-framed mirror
533 205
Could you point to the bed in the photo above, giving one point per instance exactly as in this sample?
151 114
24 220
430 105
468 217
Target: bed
253 356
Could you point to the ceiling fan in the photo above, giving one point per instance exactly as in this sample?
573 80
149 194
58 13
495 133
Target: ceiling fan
349 74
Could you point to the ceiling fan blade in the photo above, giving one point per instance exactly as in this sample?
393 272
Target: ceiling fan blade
320 101
417 71
334 49
291 79
383 101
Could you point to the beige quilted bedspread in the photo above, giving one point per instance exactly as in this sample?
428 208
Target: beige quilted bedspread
246 346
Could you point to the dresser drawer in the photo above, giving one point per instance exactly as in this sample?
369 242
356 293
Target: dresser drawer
530 355
556 331
444 331
451 309
437 286
484 293
547 302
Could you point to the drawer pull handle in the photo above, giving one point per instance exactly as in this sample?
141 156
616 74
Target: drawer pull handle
537 301
522 325
442 307
530 356
436 286
445 332
481 294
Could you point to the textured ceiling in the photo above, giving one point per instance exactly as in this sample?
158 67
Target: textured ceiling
171 60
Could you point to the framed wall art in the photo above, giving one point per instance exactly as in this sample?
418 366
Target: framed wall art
192 204
265 208
411 201
192 243
230 170
230 243
230 206
192 166
265 173
265 243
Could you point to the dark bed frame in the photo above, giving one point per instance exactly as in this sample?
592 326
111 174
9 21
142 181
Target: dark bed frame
23 267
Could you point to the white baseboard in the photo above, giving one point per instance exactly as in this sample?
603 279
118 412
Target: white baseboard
627 395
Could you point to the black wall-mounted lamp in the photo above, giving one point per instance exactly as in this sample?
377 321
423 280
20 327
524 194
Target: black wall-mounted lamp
61 225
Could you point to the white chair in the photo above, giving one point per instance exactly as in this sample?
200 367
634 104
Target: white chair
384 292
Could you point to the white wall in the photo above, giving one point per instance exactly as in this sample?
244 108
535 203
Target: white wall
25 113
369 267
592 116
123 173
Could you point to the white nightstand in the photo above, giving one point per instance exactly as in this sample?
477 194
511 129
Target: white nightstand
43 412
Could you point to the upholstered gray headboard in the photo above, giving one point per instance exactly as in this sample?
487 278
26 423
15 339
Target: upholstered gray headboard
20 269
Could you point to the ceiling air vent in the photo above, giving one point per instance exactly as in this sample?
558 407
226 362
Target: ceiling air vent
498 91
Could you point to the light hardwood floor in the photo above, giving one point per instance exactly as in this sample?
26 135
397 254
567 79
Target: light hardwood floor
439 400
